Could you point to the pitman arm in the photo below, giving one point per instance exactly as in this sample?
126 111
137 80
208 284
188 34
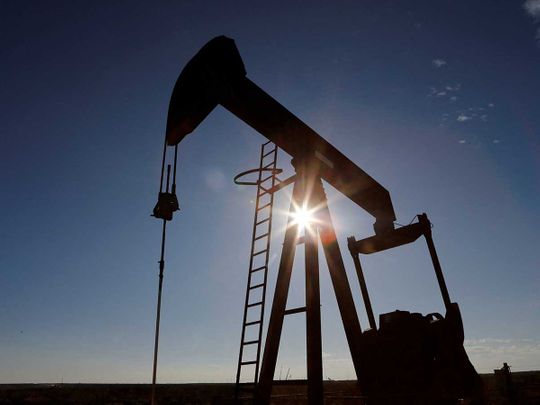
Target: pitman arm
216 75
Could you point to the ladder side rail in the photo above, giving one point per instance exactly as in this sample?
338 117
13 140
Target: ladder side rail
246 302
265 275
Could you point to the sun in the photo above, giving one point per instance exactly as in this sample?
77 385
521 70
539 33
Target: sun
302 217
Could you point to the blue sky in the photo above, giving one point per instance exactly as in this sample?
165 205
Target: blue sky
437 100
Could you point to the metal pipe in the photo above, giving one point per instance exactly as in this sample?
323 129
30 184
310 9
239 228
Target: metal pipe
423 219
363 288
160 289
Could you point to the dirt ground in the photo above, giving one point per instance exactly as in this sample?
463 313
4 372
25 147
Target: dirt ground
525 390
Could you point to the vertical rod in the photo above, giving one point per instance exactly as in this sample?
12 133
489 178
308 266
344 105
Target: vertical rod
160 289
173 188
275 325
313 315
423 219
363 288
342 289
163 165
158 313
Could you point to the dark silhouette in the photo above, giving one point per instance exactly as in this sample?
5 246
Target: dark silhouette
216 75
410 355
254 304
505 383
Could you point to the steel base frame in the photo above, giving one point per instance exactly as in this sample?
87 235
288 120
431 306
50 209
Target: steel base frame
308 192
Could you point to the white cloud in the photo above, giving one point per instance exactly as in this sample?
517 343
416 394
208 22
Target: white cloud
469 114
532 7
444 91
490 353
438 63
454 88
215 180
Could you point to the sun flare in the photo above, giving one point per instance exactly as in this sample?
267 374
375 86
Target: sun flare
302 217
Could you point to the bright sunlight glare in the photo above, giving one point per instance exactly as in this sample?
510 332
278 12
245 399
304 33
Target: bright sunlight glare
302 217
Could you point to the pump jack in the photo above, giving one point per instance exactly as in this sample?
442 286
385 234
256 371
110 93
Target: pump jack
216 75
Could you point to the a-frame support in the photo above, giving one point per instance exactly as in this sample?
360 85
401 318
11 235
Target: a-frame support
308 193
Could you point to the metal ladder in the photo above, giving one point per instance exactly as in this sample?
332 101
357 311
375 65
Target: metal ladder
252 324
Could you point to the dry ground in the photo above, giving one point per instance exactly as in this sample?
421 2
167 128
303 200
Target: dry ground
527 392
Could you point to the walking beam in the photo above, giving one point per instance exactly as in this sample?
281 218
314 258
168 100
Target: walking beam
216 75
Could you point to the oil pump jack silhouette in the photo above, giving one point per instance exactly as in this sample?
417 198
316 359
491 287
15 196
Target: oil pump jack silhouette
409 355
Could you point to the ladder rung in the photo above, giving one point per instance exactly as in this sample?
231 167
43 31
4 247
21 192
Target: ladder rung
268 165
266 143
256 286
259 252
258 269
264 206
254 304
246 363
250 342
300 240
252 323
272 151
265 191
262 221
262 236
266 178
295 310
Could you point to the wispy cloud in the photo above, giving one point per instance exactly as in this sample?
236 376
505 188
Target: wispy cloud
490 353
468 114
532 7
215 179
445 91
438 63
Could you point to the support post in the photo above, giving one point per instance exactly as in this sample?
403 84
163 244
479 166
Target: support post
313 298
275 324
423 219
308 189
342 289
363 288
